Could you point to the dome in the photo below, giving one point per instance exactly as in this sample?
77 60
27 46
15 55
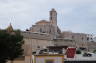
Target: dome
42 22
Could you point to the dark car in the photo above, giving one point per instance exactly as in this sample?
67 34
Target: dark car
87 55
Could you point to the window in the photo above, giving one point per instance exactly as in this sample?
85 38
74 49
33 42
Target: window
40 30
50 31
50 18
87 38
38 46
49 61
72 37
82 38
43 32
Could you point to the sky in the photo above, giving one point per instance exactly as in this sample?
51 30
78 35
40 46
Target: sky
73 15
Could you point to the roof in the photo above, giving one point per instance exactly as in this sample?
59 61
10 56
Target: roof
42 22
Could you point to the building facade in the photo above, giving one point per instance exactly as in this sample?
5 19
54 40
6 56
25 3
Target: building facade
47 33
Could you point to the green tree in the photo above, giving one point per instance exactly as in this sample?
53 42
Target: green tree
11 45
15 45
3 46
94 51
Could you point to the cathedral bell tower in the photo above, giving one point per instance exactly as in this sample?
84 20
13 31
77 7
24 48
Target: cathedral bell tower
53 17
53 21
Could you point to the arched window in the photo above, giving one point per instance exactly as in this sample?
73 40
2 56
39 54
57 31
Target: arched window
40 30
72 37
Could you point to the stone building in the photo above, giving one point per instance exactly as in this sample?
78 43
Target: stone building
80 39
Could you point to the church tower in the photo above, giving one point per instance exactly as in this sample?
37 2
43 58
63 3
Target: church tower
53 17
9 28
53 21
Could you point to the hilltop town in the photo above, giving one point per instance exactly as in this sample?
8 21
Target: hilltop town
46 34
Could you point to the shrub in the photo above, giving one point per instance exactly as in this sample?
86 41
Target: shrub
78 51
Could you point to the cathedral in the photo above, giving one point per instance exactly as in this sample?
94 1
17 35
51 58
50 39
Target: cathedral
49 27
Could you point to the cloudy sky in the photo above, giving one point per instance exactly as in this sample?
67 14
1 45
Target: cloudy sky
73 15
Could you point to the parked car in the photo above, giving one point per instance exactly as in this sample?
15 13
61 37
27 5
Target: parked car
87 55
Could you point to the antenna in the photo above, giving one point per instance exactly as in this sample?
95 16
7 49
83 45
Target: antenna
11 19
